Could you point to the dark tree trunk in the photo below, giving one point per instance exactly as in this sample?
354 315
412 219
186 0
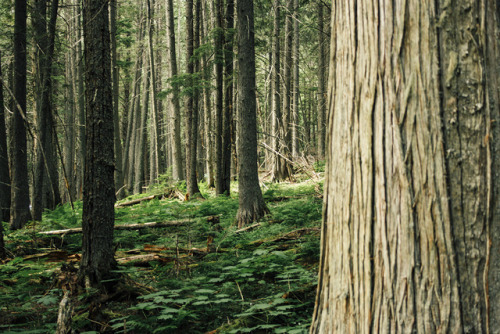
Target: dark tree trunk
68 157
197 103
2 242
287 75
279 170
46 38
4 169
228 99
141 137
191 112
219 98
296 91
98 193
251 203
40 39
4 158
177 170
52 192
20 205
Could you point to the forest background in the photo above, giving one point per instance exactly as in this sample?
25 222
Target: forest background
174 84
150 81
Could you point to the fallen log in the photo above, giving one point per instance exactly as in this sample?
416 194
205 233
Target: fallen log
170 193
136 201
145 258
132 226
123 227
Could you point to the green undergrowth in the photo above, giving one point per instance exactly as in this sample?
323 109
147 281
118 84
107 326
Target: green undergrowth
208 277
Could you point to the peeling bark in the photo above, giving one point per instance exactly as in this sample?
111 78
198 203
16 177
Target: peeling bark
411 208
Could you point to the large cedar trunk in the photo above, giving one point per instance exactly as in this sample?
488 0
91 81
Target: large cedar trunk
410 237
98 188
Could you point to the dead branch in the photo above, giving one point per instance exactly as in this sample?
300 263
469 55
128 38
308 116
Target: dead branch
65 314
250 227
169 193
136 201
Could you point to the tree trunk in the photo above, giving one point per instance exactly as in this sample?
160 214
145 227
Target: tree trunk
191 112
98 193
134 118
4 158
228 99
40 39
141 137
80 153
197 107
52 193
287 75
113 4
321 86
269 120
296 91
161 132
2 242
67 185
124 120
177 168
49 162
251 203
279 171
219 98
4 169
306 118
133 125
155 119
413 244
207 105
20 205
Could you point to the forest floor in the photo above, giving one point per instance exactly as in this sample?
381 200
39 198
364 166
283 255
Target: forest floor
197 275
